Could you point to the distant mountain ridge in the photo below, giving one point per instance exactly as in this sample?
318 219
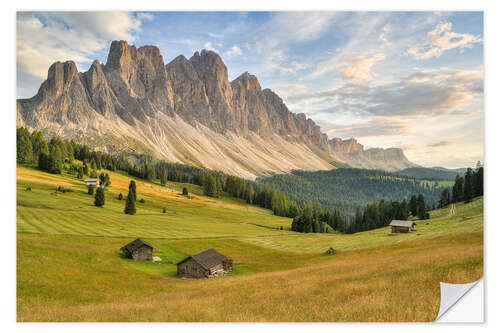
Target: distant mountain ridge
188 111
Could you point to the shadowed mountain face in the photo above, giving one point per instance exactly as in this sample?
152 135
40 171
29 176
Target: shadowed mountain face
187 111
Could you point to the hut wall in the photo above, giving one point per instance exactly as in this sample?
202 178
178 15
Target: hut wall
396 229
143 253
192 269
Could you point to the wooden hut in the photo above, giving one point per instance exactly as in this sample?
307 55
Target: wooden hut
399 226
208 263
91 181
138 250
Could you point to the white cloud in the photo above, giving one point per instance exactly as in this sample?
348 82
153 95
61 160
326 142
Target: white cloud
291 89
360 68
208 46
233 51
420 94
299 66
442 39
43 38
383 35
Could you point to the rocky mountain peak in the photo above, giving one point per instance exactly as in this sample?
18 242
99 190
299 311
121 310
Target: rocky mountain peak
120 55
188 111
247 81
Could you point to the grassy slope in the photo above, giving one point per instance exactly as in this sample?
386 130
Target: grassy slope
69 267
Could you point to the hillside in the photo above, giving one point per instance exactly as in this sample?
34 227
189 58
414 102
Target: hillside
187 111
69 267
431 173
349 189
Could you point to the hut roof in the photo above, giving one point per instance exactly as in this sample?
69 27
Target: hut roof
401 223
91 179
134 245
207 259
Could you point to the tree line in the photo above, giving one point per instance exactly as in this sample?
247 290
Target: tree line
313 218
466 188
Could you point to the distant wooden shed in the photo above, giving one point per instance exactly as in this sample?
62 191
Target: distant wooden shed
400 226
208 263
138 250
91 181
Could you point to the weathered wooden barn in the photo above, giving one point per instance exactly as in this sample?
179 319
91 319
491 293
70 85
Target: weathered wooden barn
204 264
91 181
400 226
138 250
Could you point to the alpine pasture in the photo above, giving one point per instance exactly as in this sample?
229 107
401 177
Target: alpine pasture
69 266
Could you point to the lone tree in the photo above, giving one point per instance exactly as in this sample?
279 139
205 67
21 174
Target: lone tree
120 196
132 189
185 191
130 204
99 197
131 197
91 190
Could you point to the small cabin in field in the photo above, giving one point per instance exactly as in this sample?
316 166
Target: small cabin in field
208 263
91 181
399 226
138 250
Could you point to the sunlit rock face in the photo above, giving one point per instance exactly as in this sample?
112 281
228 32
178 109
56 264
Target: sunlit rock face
187 111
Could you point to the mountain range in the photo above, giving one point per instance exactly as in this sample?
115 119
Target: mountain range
188 111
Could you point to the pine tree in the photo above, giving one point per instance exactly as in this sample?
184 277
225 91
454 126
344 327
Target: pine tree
185 191
445 197
210 187
39 144
130 204
413 205
24 146
55 160
44 162
163 176
479 185
120 196
458 189
99 197
132 189
91 190
468 186
421 208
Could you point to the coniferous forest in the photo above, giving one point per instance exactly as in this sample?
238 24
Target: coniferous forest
350 189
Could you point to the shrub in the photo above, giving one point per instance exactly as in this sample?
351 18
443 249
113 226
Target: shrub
185 191
28 188
91 190
120 196
164 210
142 201
63 190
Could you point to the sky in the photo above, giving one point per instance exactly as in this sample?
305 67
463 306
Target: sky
412 80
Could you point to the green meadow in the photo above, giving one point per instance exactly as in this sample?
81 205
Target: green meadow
69 267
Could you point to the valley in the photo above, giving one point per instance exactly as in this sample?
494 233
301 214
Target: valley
70 269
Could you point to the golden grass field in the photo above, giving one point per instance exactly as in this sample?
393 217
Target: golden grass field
69 267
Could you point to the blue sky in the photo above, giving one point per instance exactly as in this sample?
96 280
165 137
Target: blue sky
412 80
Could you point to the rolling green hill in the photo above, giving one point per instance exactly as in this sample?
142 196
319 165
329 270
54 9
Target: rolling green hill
69 266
